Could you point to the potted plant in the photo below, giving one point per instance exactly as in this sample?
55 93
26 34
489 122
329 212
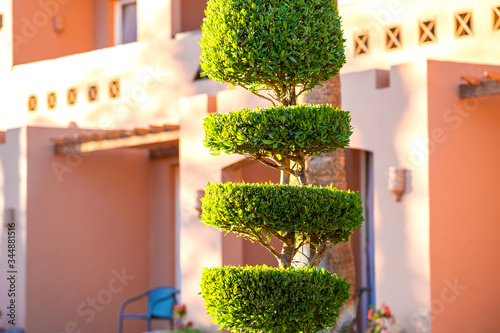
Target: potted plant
277 49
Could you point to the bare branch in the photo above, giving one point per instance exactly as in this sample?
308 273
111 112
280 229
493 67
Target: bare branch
302 242
278 236
275 166
315 259
265 244
302 91
264 97
256 93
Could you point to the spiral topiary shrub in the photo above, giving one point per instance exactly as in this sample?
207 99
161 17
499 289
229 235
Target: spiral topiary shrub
265 299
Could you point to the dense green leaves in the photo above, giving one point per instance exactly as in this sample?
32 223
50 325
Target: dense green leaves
311 212
287 131
263 44
282 47
264 299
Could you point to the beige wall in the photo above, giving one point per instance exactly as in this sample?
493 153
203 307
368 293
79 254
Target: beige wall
464 182
13 195
88 235
389 122
376 16
200 246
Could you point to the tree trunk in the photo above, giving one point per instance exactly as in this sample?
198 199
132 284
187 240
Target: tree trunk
329 169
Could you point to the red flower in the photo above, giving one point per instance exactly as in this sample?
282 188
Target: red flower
370 314
190 324
180 310
386 310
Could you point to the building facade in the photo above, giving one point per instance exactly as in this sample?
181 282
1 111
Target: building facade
102 161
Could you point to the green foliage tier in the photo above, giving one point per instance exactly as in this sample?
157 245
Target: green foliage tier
261 44
320 214
285 131
265 299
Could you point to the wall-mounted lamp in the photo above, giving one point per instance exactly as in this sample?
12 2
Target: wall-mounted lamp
397 178
197 204
58 23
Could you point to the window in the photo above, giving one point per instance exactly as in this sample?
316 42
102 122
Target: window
496 18
361 42
463 24
427 31
393 37
126 22
51 100
114 88
71 95
32 103
92 93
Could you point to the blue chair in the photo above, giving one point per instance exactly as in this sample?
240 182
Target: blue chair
161 302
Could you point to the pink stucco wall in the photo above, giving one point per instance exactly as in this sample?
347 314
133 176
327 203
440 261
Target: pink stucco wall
235 250
192 14
464 181
388 121
88 235
164 217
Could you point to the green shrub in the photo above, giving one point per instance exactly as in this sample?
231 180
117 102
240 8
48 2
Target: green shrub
323 213
287 131
272 44
265 299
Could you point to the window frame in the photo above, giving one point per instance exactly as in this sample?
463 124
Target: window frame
118 13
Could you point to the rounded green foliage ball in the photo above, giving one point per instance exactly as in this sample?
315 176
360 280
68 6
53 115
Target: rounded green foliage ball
265 299
287 131
262 43
322 213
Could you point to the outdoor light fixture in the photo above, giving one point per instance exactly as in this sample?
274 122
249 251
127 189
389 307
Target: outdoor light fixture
58 23
397 177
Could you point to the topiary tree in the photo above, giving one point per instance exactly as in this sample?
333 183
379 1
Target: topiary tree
281 48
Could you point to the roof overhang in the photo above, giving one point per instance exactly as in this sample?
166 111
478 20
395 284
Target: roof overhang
161 141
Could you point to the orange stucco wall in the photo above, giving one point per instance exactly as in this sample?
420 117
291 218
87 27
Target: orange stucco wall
88 236
34 37
464 181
